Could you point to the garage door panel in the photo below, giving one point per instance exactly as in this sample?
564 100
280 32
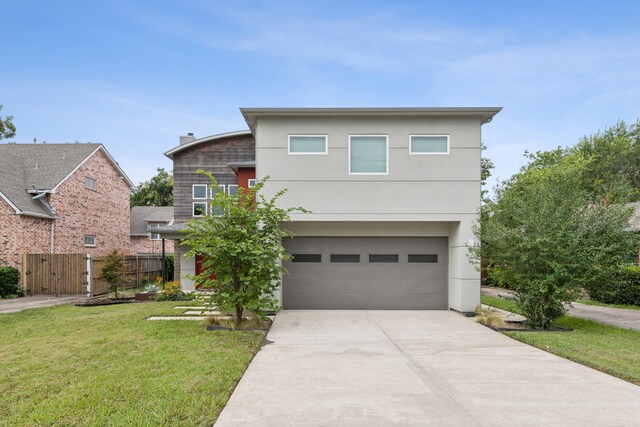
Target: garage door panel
364 284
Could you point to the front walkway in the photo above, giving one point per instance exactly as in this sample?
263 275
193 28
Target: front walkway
416 368
39 301
620 317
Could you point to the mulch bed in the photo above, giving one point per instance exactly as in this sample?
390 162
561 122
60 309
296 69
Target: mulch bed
92 302
521 327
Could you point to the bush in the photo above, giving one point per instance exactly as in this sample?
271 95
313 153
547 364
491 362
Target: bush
624 288
9 278
173 292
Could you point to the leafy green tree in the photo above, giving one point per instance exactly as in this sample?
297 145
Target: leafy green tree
240 241
547 237
158 191
114 271
7 129
486 165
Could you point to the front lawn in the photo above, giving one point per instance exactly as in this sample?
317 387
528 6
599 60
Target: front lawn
602 347
107 365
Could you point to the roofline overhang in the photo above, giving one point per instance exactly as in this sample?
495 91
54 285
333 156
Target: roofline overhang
202 140
485 113
38 215
10 203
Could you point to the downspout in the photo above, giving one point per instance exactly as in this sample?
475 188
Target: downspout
53 223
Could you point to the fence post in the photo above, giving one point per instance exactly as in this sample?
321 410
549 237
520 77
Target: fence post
89 274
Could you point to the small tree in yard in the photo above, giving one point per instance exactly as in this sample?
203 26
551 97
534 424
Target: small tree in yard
549 239
114 271
240 242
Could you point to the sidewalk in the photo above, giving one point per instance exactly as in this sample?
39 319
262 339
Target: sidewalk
26 303
619 317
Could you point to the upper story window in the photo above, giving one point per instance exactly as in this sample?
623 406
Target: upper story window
307 144
199 209
152 235
232 189
199 191
220 189
252 183
429 144
368 154
89 240
90 183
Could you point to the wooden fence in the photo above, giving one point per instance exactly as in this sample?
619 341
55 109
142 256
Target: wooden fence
59 274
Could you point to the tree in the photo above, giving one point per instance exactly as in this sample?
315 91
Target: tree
7 129
547 237
158 191
114 271
486 165
240 242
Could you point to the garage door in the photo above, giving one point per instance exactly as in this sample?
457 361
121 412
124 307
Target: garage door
366 273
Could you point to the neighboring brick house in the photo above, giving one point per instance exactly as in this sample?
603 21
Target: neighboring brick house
144 219
61 198
230 157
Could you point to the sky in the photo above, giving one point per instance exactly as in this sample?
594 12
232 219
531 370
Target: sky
135 75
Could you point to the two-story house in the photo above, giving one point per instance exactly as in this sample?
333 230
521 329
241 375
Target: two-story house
144 221
393 194
61 198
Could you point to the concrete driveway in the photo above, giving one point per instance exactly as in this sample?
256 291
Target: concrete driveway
39 301
426 368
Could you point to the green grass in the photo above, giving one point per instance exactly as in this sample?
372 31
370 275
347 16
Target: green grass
95 366
602 347
602 304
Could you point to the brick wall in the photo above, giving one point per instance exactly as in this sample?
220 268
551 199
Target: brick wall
103 212
20 234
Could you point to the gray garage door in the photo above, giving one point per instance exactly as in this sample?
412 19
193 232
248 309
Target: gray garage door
366 273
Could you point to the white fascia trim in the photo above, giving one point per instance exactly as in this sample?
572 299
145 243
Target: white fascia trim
171 152
428 154
111 159
6 199
304 153
386 137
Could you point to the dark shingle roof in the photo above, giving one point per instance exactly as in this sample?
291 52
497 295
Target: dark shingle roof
142 215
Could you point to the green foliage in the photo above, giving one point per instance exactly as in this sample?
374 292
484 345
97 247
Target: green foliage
158 191
7 128
172 291
113 271
9 278
241 247
621 288
546 237
485 171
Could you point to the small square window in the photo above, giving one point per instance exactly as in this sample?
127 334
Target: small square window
252 183
232 189
429 144
214 190
199 191
154 236
368 155
90 183
199 208
90 240
307 144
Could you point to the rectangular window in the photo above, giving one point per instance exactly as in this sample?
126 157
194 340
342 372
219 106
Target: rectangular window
154 236
345 258
90 183
307 144
216 190
90 240
306 258
252 183
383 258
199 208
432 258
232 189
368 154
429 144
199 191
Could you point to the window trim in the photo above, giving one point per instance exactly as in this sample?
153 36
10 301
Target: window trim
412 153
90 245
220 187
255 181
193 190
386 138
95 183
193 209
302 153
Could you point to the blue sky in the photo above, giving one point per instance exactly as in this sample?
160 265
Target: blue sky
135 75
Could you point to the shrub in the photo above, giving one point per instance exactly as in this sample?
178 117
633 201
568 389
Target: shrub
624 288
173 292
113 271
9 278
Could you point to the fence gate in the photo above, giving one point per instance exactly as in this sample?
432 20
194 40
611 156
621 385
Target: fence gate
55 274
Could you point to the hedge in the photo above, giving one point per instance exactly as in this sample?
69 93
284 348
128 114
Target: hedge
624 288
9 278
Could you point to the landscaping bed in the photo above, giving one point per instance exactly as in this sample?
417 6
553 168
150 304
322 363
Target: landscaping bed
107 365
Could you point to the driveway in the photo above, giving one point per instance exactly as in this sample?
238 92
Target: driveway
427 368
620 317
26 303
